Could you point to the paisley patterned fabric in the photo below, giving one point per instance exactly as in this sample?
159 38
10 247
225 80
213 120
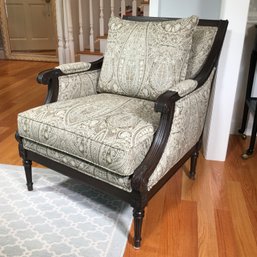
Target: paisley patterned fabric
109 131
186 129
80 165
145 59
203 38
185 87
68 68
78 85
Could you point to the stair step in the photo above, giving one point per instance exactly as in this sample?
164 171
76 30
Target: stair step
102 37
88 52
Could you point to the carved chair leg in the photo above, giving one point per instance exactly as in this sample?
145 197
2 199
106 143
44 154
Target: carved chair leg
26 163
194 158
138 215
27 166
193 163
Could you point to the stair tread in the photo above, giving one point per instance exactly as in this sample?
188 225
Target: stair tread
87 51
102 37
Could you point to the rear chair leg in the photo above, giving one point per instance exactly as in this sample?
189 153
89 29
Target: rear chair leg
138 215
194 158
193 163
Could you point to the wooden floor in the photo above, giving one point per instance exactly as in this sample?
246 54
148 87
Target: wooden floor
213 216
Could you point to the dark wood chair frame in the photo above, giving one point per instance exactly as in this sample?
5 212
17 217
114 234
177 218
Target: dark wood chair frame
165 104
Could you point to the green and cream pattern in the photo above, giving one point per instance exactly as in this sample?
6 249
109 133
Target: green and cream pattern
145 59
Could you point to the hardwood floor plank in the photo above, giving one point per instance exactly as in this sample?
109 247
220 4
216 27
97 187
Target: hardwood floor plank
188 230
218 186
241 222
227 244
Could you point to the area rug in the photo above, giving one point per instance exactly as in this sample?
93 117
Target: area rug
61 217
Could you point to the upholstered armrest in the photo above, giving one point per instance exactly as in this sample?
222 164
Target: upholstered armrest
180 110
185 87
75 67
72 80
187 126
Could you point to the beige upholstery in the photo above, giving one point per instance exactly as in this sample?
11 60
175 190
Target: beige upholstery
122 182
127 122
186 129
203 37
108 135
145 59
188 110
110 131
78 85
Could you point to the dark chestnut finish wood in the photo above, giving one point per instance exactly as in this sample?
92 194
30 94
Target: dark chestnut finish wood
194 158
138 215
165 104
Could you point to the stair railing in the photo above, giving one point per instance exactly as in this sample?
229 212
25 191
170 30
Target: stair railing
88 24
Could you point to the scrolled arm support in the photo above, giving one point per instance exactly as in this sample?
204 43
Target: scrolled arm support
165 104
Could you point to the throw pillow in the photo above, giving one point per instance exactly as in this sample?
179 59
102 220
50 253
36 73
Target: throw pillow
145 59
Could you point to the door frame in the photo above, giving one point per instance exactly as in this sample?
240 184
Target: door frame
23 56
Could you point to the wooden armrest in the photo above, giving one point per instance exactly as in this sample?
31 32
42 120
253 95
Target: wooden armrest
166 105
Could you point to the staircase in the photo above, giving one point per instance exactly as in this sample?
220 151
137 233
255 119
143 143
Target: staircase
82 25
97 48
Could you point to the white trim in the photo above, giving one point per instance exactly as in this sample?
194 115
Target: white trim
59 27
216 137
81 28
154 7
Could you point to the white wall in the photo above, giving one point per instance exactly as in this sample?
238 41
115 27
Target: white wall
243 75
206 9
216 139
219 119
242 82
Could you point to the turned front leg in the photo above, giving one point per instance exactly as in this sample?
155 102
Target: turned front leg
27 166
138 215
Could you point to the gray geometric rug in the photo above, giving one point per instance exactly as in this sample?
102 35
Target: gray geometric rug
59 218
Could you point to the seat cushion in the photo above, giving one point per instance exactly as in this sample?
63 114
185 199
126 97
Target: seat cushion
122 182
111 131
145 59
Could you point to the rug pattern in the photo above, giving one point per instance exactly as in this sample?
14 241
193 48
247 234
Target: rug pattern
60 217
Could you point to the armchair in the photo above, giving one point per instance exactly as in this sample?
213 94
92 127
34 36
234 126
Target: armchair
126 123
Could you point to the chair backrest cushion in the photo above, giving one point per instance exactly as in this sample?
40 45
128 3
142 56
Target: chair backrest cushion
203 38
145 59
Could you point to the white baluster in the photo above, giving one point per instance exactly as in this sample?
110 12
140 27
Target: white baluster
101 19
59 19
91 24
123 7
66 34
70 32
81 28
134 8
112 7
